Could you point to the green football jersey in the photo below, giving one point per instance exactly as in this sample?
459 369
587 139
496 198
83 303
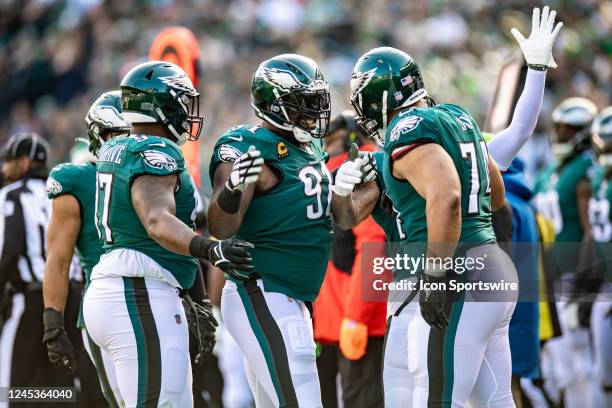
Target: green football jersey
580 167
456 131
599 206
120 161
384 213
79 180
289 224
546 198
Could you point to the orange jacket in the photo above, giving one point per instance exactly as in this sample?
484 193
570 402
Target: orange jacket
373 314
329 305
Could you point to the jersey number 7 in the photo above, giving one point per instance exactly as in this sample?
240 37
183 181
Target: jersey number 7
104 184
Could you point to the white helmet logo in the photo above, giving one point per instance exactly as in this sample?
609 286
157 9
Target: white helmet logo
284 80
180 82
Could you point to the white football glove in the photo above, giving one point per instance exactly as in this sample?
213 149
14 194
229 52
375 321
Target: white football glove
348 176
359 167
246 170
537 49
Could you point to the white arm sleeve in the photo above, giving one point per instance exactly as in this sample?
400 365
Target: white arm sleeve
506 144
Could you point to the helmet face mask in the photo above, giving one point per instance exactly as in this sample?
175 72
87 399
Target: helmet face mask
308 111
289 92
160 92
369 125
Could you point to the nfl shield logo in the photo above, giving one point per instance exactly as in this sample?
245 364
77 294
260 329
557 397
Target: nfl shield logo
407 80
177 318
398 96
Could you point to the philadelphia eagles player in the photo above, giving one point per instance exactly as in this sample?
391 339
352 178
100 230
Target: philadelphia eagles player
72 188
441 180
396 375
563 192
601 221
144 213
272 188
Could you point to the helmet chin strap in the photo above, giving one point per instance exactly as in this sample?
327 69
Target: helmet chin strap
384 119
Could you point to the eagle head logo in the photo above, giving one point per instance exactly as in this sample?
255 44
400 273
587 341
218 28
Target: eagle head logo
180 82
159 160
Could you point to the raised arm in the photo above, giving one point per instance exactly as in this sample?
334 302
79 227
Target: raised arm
506 144
537 50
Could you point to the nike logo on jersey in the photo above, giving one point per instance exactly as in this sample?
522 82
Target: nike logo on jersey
160 144
236 138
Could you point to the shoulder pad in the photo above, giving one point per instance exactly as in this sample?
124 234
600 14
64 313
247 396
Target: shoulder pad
237 140
64 178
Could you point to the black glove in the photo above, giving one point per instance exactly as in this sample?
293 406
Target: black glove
232 257
433 302
202 326
59 347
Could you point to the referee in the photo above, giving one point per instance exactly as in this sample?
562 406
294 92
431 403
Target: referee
24 215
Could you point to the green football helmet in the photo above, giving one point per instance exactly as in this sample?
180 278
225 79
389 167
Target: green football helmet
289 92
384 79
104 116
601 133
161 92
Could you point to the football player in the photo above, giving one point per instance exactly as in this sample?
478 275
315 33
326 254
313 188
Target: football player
72 189
439 176
503 149
144 212
272 188
563 192
601 221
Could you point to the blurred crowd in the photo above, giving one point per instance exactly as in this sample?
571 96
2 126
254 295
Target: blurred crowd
56 57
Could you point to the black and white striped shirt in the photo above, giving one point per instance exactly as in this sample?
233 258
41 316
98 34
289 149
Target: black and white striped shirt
24 217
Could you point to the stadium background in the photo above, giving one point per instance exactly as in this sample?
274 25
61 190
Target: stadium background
56 57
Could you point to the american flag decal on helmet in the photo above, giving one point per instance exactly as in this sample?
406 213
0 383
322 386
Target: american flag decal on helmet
407 80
